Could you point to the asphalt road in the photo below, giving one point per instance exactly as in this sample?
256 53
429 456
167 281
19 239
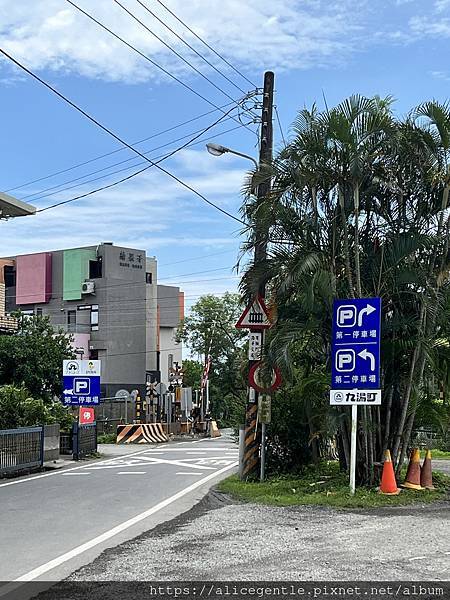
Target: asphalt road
223 541
55 522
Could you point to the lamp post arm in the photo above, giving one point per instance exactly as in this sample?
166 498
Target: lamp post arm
243 156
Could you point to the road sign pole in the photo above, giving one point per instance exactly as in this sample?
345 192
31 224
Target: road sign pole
353 449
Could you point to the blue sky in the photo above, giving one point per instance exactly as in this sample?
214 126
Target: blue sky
317 48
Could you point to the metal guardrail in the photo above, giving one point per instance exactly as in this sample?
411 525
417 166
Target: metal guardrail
84 440
21 448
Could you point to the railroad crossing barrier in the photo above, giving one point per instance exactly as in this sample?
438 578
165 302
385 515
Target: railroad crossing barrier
149 433
20 449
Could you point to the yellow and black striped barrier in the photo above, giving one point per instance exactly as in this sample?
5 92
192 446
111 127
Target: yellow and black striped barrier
251 442
149 433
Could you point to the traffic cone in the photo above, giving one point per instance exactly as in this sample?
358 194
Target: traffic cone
426 477
388 484
412 480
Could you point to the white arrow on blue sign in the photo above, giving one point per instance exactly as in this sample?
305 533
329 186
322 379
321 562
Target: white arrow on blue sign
356 338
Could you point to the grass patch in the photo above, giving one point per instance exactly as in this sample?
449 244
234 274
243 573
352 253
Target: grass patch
326 486
440 454
107 438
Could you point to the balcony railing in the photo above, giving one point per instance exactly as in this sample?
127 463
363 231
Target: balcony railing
8 324
74 328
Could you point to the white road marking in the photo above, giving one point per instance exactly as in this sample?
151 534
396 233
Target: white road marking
417 558
64 471
446 552
71 474
131 472
56 562
188 473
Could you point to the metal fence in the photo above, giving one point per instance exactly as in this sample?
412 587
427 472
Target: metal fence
84 440
427 437
21 448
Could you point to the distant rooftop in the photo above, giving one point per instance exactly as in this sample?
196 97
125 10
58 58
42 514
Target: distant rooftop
11 207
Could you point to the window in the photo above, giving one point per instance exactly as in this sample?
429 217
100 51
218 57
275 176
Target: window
95 269
39 312
10 276
170 361
94 318
71 320
148 278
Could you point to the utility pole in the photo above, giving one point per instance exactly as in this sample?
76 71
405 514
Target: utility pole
251 441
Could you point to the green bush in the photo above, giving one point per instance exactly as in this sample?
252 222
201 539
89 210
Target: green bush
19 409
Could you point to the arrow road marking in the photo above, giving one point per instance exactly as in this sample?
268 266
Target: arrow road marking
365 311
368 355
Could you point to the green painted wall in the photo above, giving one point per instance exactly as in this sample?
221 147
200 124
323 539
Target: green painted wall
76 270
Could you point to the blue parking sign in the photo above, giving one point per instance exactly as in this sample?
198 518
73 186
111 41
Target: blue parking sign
81 382
356 346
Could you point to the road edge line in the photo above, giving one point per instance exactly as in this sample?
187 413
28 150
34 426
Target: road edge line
56 562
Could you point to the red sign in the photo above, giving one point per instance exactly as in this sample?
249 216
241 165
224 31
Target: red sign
86 415
254 379
255 316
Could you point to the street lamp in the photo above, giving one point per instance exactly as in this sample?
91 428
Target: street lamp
218 150
11 207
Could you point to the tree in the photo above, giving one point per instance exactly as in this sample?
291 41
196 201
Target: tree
33 357
210 330
192 373
359 208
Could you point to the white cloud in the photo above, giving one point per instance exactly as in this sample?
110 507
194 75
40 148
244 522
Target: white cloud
150 212
445 75
281 34
441 5
425 26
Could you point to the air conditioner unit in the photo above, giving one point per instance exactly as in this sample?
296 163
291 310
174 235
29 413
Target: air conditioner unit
88 287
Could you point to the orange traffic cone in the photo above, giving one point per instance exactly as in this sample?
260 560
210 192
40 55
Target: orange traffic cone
388 484
426 477
412 480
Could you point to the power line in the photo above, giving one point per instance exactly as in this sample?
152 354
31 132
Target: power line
206 44
114 183
190 47
195 258
86 162
169 47
116 137
147 58
279 125
41 194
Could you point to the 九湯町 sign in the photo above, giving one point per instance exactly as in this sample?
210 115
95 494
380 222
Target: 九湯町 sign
355 368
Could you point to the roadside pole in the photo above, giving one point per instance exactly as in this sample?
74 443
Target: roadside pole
353 449
251 442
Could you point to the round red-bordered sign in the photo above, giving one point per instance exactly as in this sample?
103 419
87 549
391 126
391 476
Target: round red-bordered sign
254 382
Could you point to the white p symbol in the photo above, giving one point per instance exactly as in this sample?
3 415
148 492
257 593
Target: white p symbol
81 386
345 360
346 315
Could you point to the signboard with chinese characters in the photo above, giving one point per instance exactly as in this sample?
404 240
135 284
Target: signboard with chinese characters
131 260
265 408
81 382
86 415
355 366
254 345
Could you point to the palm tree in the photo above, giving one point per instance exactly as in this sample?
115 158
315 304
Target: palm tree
358 207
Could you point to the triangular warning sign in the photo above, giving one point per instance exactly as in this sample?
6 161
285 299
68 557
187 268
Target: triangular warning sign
255 316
